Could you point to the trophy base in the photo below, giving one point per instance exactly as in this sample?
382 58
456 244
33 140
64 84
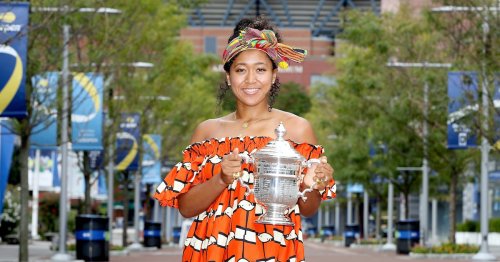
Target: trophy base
275 215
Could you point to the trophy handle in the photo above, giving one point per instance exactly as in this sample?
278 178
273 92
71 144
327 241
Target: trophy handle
309 164
247 159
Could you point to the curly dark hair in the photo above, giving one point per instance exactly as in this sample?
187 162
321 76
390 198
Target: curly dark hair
259 23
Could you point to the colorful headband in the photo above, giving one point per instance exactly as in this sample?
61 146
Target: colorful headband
266 41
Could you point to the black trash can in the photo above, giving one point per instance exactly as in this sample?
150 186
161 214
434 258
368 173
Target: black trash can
176 234
351 234
92 239
407 235
152 234
327 232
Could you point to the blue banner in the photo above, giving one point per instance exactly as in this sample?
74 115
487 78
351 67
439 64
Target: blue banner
96 161
13 53
151 163
6 151
87 116
44 134
127 146
462 109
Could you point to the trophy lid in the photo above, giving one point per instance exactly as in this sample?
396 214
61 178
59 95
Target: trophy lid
279 147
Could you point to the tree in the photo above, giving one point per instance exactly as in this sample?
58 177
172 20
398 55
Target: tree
374 104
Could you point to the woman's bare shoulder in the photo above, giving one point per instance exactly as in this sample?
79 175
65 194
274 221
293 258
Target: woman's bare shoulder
207 129
298 128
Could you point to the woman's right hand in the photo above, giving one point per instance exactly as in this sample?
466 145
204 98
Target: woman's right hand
231 167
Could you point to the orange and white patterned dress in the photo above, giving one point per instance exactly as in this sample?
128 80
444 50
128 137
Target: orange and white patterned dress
226 231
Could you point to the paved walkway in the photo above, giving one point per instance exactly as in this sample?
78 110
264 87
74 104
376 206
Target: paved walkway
315 252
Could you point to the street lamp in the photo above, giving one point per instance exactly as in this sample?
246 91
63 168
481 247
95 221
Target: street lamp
483 253
425 132
62 255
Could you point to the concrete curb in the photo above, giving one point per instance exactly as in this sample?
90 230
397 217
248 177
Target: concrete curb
442 256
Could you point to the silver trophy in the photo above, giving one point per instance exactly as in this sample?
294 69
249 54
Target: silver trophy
277 178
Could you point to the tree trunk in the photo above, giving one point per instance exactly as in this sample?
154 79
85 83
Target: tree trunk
25 196
87 174
453 204
126 182
407 206
377 220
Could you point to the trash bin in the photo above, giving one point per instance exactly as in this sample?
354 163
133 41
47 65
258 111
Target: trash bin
92 240
152 234
351 234
176 233
311 231
327 231
407 235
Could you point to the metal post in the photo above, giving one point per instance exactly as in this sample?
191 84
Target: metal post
111 177
36 180
484 253
365 214
434 237
137 208
62 255
425 169
337 217
349 208
389 246
168 224
402 207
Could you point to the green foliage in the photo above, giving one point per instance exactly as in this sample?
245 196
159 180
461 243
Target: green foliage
446 248
48 213
292 98
494 225
10 217
468 226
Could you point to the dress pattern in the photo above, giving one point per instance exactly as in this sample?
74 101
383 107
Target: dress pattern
226 230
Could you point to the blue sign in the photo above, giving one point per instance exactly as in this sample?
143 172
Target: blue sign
96 159
151 165
463 95
48 173
44 134
6 151
101 183
13 53
127 146
87 116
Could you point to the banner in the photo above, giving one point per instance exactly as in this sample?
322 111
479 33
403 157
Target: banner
462 109
87 116
151 162
6 151
13 53
48 173
44 134
127 146
96 161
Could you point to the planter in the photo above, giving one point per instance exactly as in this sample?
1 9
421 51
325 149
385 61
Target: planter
474 238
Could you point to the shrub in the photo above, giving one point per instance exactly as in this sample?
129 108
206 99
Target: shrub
11 213
446 248
494 225
468 226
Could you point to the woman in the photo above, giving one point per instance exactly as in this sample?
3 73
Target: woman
204 185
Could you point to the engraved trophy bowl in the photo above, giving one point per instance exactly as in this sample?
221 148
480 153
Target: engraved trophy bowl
277 178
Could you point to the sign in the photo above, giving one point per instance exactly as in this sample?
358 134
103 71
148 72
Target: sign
151 165
48 173
44 134
87 113
463 103
13 53
127 146
6 151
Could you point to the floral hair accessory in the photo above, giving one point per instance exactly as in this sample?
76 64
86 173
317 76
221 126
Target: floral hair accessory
265 41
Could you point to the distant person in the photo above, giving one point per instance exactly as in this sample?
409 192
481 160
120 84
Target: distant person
203 185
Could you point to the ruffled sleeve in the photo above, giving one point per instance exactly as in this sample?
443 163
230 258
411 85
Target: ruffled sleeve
182 176
314 152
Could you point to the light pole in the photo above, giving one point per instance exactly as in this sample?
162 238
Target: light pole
63 200
483 253
425 133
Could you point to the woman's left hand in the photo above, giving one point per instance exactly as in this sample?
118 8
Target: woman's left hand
319 175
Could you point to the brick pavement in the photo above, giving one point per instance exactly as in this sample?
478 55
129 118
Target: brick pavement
315 252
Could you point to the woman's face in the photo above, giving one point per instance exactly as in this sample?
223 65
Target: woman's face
251 76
